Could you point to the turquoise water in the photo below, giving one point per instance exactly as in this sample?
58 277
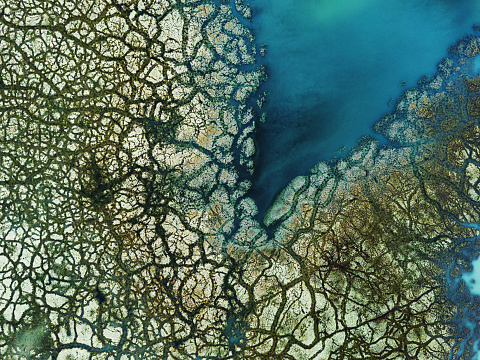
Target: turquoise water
472 278
334 67
476 65
464 290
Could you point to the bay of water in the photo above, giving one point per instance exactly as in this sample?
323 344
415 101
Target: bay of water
334 66
473 282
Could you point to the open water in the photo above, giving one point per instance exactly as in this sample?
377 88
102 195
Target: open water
335 67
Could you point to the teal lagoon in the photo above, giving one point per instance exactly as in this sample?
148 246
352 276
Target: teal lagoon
334 69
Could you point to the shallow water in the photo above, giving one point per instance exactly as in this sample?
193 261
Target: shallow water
334 69
472 278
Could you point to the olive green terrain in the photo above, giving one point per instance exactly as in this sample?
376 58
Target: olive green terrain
126 232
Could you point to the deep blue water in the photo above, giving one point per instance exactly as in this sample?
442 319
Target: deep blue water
333 67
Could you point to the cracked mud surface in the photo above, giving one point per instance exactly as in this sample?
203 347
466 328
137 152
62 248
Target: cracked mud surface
126 146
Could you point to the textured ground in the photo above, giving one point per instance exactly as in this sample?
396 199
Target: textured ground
126 145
